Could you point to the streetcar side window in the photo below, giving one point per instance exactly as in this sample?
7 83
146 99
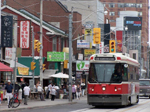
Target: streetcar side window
92 76
124 73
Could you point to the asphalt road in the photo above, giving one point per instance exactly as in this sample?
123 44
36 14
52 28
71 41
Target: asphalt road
82 106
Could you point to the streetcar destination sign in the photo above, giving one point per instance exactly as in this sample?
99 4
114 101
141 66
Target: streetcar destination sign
105 58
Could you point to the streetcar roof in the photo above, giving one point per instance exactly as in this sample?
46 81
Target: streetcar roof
119 58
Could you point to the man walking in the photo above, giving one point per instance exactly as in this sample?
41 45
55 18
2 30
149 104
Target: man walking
9 91
26 93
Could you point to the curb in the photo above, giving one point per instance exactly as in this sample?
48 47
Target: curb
13 109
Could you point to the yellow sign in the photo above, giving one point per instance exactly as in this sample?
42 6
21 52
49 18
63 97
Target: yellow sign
88 32
89 52
97 35
23 71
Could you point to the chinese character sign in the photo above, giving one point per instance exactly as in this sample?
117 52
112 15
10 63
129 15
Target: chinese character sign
6 31
24 34
8 53
101 48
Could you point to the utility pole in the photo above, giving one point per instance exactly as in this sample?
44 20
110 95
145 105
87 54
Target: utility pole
32 55
70 57
41 41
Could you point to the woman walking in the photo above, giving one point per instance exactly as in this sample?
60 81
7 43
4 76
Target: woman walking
78 91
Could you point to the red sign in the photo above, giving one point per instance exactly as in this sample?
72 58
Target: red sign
24 34
119 40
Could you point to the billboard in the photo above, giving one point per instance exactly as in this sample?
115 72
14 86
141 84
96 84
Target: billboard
82 44
89 52
55 56
82 65
7 31
24 34
133 23
119 38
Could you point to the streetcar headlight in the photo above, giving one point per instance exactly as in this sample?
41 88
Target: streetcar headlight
92 89
103 88
115 89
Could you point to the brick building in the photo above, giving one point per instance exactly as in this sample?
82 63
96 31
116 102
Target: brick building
115 6
54 12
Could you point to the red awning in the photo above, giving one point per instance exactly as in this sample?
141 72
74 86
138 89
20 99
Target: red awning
5 68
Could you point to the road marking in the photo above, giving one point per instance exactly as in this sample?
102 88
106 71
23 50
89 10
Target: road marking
81 110
135 106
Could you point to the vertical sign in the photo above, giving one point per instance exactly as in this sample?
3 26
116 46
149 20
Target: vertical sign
101 48
119 40
7 31
24 34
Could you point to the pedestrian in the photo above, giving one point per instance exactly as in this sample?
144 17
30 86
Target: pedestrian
22 87
49 89
78 91
9 91
40 92
26 93
36 86
53 93
83 88
73 91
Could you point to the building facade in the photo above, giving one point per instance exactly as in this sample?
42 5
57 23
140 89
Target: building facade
141 6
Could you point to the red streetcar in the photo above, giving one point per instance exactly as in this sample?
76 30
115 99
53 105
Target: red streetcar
113 80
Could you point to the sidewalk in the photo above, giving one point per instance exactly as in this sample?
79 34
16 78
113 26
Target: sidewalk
38 103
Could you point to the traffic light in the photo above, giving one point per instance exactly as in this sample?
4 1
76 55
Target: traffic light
112 46
38 46
35 43
33 65
97 35
43 67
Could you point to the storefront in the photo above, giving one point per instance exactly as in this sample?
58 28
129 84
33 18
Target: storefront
5 75
27 62
55 61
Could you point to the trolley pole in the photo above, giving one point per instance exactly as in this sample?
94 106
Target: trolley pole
41 41
70 57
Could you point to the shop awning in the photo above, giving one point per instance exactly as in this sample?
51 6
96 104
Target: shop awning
5 68
49 72
17 64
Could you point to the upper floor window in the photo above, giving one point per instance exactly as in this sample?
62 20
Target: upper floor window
120 5
54 44
111 13
139 5
130 5
111 5
112 20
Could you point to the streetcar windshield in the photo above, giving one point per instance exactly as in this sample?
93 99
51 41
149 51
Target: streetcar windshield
144 83
107 72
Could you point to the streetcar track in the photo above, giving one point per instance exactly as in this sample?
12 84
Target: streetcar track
135 106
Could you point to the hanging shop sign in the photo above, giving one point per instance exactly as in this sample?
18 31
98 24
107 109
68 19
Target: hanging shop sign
82 65
7 31
23 71
24 34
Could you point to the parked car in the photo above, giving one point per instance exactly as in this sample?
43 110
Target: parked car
145 87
